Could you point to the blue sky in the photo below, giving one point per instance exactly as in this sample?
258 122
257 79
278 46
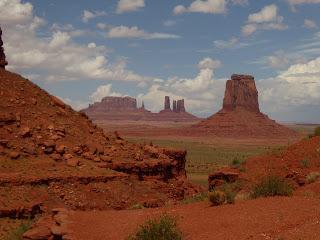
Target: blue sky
82 50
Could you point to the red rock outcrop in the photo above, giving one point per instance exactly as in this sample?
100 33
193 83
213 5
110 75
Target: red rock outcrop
110 104
180 106
241 92
167 105
43 142
118 108
3 62
240 116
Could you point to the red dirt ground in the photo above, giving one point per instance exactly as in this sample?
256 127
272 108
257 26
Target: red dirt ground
277 218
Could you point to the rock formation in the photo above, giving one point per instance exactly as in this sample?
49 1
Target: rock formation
3 62
180 106
43 142
109 104
174 106
240 115
125 108
241 92
167 103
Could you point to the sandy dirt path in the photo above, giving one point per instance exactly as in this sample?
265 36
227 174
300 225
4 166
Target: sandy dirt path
296 218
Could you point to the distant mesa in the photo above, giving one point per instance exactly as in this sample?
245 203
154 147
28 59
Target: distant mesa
3 62
240 115
125 108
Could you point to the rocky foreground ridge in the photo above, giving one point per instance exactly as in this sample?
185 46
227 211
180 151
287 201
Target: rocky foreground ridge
240 115
52 156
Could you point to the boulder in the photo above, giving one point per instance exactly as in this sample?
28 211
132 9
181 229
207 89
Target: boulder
14 155
221 177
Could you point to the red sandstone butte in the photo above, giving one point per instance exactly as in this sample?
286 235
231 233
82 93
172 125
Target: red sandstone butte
125 108
240 115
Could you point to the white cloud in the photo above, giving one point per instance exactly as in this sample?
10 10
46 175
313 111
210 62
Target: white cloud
88 15
298 87
103 91
278 60
57 57
202 93
129 5
267 14
203 6
15 12
209 63
223 44
266 19
135 32
59 40
310 24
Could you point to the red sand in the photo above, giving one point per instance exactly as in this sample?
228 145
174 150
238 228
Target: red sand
272 218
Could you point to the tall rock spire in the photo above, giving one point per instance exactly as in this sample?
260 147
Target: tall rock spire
3 61
167 103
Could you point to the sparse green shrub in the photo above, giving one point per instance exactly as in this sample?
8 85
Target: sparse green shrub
313 176
196 198
305 163
317 131
17 233
229 192
272 186
236 162
164 228
217 198
136 206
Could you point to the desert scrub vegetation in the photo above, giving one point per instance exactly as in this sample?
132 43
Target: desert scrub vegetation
312 177
305 163
17 233
196 198
164 228
317 131
217 197
272 186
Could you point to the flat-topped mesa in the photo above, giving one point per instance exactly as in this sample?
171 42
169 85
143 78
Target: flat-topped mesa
108 104
241 92
167 103
3 62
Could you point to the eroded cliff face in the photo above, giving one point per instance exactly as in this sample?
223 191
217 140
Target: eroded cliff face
125 108
3 61
241 92
110 104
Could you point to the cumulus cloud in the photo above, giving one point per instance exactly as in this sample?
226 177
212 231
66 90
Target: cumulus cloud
15 12
308 23
292 90
226 44
135 32
203 6
202 93
129 5
88 15
266 19
57 57
103 91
